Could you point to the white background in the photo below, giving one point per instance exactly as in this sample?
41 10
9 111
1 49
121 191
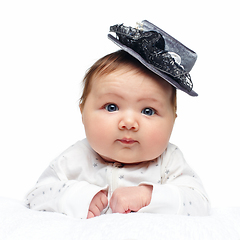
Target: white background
46 47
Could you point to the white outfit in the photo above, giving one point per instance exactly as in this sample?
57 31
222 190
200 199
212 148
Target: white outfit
71 181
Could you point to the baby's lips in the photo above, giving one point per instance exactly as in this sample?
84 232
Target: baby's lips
127 140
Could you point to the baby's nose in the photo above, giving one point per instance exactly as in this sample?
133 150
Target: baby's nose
129 122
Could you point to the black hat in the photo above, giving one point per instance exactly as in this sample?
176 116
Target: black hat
159 52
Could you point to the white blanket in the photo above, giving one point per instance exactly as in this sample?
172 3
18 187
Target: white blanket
19 223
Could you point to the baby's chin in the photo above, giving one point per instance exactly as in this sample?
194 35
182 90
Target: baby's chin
126 161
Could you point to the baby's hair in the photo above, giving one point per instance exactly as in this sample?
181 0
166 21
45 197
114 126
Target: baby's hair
110 63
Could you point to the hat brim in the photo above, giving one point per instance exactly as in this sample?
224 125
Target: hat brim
151 67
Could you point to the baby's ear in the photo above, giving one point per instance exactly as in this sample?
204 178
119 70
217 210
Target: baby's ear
81 110
81 107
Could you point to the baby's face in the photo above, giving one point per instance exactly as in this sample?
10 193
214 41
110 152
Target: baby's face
128 116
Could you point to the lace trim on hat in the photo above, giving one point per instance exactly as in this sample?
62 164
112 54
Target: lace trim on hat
150 45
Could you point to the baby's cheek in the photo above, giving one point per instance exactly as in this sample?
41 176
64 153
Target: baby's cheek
156 143
99 140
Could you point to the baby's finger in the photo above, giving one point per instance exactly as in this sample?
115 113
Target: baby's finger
94 211
90 215
104 200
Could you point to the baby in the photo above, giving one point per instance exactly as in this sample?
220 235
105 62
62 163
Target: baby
126 163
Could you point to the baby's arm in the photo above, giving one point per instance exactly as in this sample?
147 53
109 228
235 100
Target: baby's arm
64 187
180 190
70 197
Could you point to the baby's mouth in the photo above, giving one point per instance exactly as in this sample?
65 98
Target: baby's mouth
127 141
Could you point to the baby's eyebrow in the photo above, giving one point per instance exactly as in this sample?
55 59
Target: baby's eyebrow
110 94
152 100
141 99
149 99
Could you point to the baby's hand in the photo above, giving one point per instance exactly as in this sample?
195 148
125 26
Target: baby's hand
128 199
98 203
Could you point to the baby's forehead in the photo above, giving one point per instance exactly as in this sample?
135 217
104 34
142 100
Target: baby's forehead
123 68
131 81
130 71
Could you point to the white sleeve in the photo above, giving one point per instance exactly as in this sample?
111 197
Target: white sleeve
180 191
57 191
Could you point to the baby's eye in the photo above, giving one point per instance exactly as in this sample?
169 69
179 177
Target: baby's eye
148 111
111 107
